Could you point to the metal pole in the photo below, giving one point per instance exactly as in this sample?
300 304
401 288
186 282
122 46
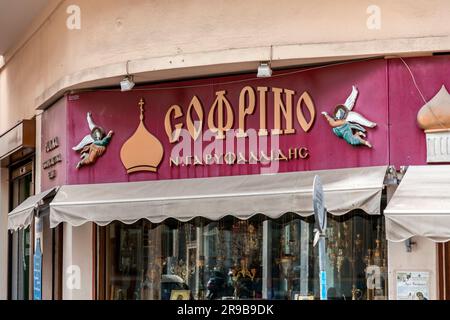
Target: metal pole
320 215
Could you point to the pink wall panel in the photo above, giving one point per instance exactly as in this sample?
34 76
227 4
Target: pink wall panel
329 86
54 122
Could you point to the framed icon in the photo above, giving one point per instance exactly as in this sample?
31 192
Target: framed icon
180 295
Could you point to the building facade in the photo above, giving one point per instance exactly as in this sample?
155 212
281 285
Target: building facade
198 182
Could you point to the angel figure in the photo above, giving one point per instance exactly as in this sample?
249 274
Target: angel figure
349 125
93 145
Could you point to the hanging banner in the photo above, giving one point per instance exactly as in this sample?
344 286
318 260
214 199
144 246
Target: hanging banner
37 272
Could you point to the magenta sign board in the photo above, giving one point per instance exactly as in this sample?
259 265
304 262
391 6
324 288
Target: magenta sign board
288 107
407 140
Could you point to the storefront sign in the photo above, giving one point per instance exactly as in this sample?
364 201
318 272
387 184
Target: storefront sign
52 144
182 109
52 161
37 272
49 164
413 285
220 123
231 158
54 132
221 115
233 125
144 152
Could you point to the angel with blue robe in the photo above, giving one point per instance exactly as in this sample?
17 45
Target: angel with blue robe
348 124
93 145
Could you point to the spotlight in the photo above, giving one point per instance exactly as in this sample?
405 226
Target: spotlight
127 83
264 70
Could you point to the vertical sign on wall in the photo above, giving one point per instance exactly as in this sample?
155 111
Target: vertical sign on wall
37 272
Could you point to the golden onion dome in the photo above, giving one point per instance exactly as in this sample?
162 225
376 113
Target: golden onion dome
435 114
142 151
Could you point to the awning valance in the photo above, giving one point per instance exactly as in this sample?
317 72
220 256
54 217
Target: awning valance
241 196
421 205
22 137
22 215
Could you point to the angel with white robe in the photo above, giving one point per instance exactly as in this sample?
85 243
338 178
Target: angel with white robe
348 124
93 145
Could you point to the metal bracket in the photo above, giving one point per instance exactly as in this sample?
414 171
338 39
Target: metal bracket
394 177
409 244
391 177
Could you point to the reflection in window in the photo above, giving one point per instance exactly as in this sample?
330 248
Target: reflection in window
356 263
233 259
258 258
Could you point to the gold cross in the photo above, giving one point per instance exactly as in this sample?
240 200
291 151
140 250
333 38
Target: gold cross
141 103
141 106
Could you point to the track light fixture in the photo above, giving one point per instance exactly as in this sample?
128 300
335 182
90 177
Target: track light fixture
264 70
127 83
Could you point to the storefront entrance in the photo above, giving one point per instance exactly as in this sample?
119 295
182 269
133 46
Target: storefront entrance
21 187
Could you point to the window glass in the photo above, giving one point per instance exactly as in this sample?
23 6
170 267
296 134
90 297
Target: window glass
356 263
232 263
258 258
125 255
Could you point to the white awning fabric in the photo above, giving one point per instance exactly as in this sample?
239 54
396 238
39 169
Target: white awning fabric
241 196
421 205
22 215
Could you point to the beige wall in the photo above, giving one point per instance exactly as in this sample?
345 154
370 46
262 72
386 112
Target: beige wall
423 257
172 39
77 252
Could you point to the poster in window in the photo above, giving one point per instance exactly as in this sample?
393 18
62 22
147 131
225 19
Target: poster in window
413 285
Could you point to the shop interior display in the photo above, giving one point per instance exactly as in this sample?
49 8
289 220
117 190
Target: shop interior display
225 259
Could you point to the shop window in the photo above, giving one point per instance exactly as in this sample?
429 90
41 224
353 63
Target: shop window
356 264
258 258
231 260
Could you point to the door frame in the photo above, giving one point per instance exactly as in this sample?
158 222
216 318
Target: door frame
22 163
443 250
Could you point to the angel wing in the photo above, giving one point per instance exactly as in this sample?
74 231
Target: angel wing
90 122
359 119
350 102
355 126
86 140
